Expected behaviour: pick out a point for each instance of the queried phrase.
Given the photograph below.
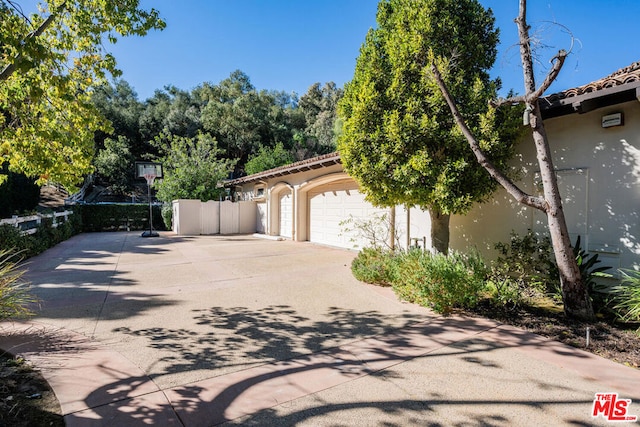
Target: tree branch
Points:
(503, 180)
(11, 67)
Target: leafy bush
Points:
(600, 294)
(46, 236)
(167, 215)
(628, 296)
(373, 265)
(443, 282)
(525, 268)
(114, 217)
(14, 291)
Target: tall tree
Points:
(574, 292)
(49, 62)
(320, 108)
(399, 140)
(119, 104)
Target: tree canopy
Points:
(49, 63)
(399, 140)
(192, 169)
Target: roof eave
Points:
(554, 106)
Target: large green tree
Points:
(320, 108)
(49, 62)
(399, 140)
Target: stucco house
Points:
(594, 132)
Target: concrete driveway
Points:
(209, 330)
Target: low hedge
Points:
(119, 217)
(13, 241)
(433, 280)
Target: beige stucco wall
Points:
(600, 172)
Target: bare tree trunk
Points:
(392, 228)
(574, 292)
(439, 231)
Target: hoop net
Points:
(150, 177)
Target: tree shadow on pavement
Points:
(253, 354)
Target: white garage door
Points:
(286, 215)
(327, 209)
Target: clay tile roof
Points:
(621, 77)
(308, 164)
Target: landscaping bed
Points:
(26, 400)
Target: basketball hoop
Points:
(149, 171)
(150, 177)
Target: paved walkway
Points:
(203, 331)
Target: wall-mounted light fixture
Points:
(610, 120)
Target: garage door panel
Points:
(286, 215)
(329, 208)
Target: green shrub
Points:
(443, 282)
(167, 215)
(628, 296)
(373, 265)
(525, 268)
(46, 236)
(600, 294)
(11, 238)
(114, 217)
(14, 291)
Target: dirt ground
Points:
(26, 400)
(25, 397)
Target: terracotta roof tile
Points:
(623, 76)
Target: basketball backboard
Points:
(148, 168)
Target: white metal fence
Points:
(29, 224)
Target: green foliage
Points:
(46, 236)
(628, 296)
(167, 215)
(17, 194)
(14, 290)
(268, 158)
(374, 265)
(119, 104)
(320, 108)
(443, 282)
(192, 169)
(599, 294)
(115, 164)
(49, 63)
(115, 217)
(399, 139)
(524, 268)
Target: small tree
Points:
(114, 164)
(268, 158)
(574, 292)
(192, 169)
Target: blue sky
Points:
(290, 44)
